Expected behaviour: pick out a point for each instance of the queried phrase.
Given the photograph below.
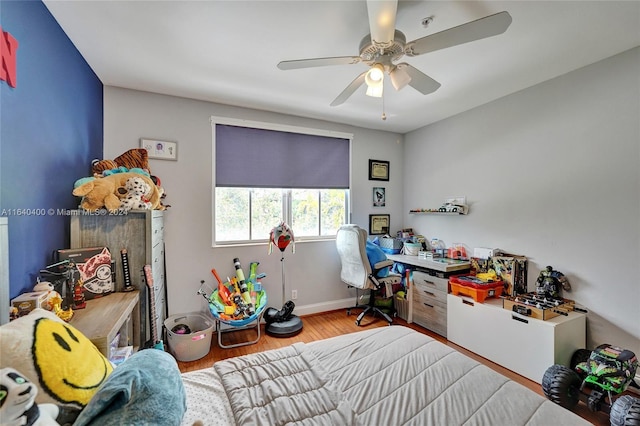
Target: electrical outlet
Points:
(294, 294)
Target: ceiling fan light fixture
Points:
(375, 91)
(382, 21)
(399, 78)
(375, 76)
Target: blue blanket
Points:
(146, 389)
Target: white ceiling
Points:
(226, 51)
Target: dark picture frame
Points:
(379, 224)
(379, 196)
(378, 170)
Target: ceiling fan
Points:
(385, 45)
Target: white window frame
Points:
(214, 120)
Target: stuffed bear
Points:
(17, 402)
(135, 198)
(133, 158)
(108, 191)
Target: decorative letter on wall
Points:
(8, 47)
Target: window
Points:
(264, 174)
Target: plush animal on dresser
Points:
(57, 359)
(17, 402)
(106, 192)
(133, 158)
(137, 189)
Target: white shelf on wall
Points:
(432, 211)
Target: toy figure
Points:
(78, 296)
(550, 282)
(17, 402)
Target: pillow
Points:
(146, 389)
(375, 255)
(65, 365)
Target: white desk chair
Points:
(357, 271)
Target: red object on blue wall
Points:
(8, 48)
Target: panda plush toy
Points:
(17, 402)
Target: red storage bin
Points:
(468, 285)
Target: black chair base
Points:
(370, 308)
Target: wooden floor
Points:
(335, 323)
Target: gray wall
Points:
(551, 172)
(313, 269)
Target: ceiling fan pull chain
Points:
(384, 116)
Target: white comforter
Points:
(386, 376)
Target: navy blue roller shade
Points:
(259, 158)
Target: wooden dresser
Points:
(103, 318)
(141, 233)
(428, 294)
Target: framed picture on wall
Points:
(379, 224)
(160, 150)
(378, 170)
(379, 197)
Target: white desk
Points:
(438, 264)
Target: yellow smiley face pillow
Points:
(67, 368)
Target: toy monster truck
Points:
(598, 378)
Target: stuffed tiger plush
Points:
(133, 158)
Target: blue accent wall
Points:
(51, 127)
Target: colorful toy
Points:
(282, 323)
(181, 329)
(133, 158)
(17, 402)
(108, 191)
(134, 198)
(243, 287)
(281, 236)
(598, 378)
(228, 302)
(55, 357)
(46, 286)
(550, 282)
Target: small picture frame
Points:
(378, 170)
(379, 197)
(379, 224)
(160, 150)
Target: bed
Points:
(384, 376)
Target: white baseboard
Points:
(332, 305)
(314, 308)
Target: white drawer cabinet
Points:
(527, 346)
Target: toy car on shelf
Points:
(453, 208)
(598, 378)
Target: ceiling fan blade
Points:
(318, 62)
(382, 21)
(419, 80)
(475, 30)
(349, 90)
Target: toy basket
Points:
(411, 249)
(191, 346)
(390, 243)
